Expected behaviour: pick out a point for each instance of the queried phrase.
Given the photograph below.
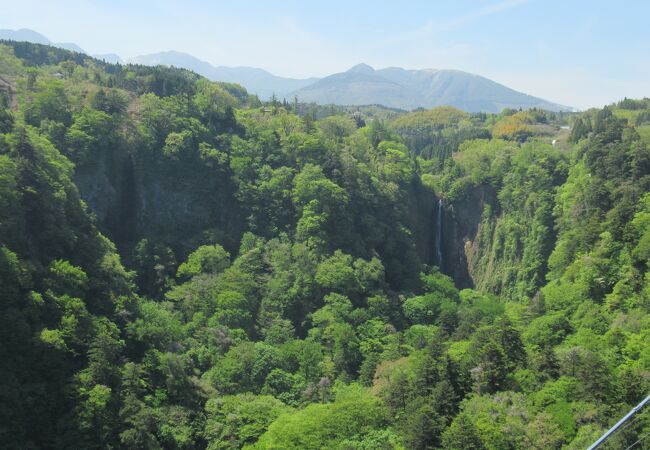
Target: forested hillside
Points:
(183, 266)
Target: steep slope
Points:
(27, 35)
(61, 285)
(255, 80)
(24, 34)
(408, 89)
(282, 264)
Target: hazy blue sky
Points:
(579, 53)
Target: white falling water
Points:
(439, 235)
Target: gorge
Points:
(185, 266)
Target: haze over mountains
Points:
(257, 81)
(25, 34)
(361, 85)
(409, 89)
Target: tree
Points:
(155, 268)
(351, 416)
(205, 259)
(239, 420)
(111, 101)
(491, 373)
(50, 102)
(462, 434)
(423, 426)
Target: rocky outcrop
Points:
(461, 224)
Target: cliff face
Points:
(422, 221)
(132, 199)
(462, 231)
(494, 249)
(461, 224)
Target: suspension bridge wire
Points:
(639, 440)
(619, 424)
(627, 425)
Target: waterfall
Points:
(439, 236)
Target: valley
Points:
(185, 264)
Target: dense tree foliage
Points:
(182, 266)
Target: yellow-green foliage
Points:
(484, 161)
(629, 114)
(514, 127)
(329, 329)
(644, 132)
(9, 63)
(433, 119)
(353, 419)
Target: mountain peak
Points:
(396, 87)
(24, 34)
(361, 68)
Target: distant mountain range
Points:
(361, 85)
(25, 34)
(256, 81)
(28, 35)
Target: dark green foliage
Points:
(53, 308)
(280, 290)
(581, 129)
(462, 434)
(632, 104)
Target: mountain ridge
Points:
(410, 89)
(25, 34)
(257, 81)
(392, 87)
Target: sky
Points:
(577, 53)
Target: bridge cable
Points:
(619, 424)
(639, 440)
(627, 425)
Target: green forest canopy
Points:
(183, 266)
